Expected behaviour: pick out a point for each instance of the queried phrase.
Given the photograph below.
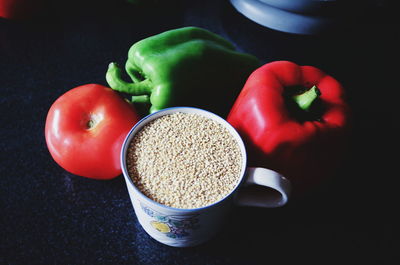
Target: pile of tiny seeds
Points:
(184, 160)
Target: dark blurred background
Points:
(49, 216)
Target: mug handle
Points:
(263, 188)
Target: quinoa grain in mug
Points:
(184, 160)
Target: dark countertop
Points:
(49, 216)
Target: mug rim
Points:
(142, 122)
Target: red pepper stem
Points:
(114, 79)
(305, 100)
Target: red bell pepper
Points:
(19, 9)
(294, 120)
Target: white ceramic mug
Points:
(189, 227)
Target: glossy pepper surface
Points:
(187, 66)
(294, 119)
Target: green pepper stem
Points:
(114, 79)
(141, 99)
(305, 100)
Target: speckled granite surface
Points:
(49, 216)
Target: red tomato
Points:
(85, 129)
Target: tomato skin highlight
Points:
(85, 129)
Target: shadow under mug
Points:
(177, 227)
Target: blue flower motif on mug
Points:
(172, 226)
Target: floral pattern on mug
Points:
(170, 225)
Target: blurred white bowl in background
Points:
(293, 16)
(301, 6)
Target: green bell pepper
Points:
(188, 66)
